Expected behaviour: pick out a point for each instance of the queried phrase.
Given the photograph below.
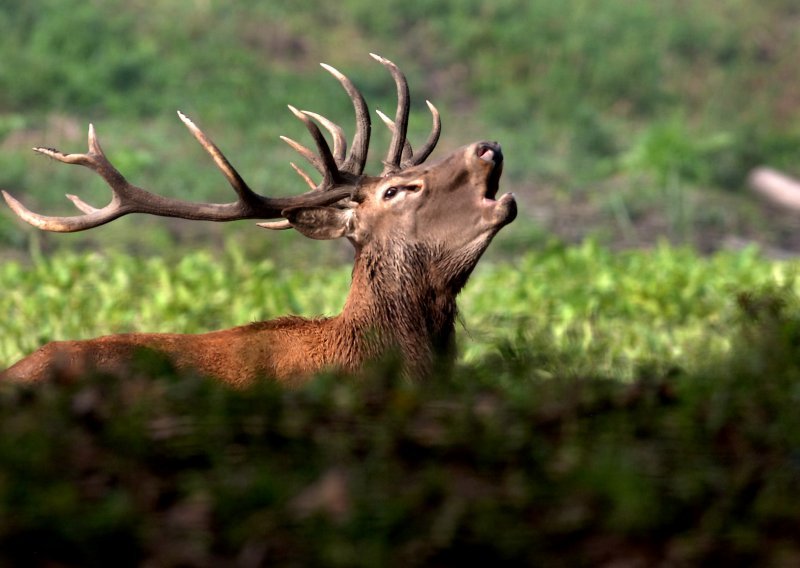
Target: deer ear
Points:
(321, 223)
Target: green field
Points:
(633, 406)
(624, 123)
(611, 312)
(628, 375)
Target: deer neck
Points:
(399, 302)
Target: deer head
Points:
(418, 228)
(448, 206)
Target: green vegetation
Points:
(609, 405)
(534, 450)
(612, 312)
(657, 110)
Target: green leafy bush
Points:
(494, 462)
(628, 307)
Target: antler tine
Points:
(423, 153)
(80, 204)
(339, 141)
(234, 179)
(310, 157)
(325, 162)
(407, 151)
(59, 224)
(303, 175)
(401, 116)
(339, 144)
(281, 225)
(355, 162)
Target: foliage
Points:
(607, 405)
(629, 408)
(572, 89)
(536, 454)
(624, 307)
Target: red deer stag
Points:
(418, 232)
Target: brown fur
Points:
(407, 304)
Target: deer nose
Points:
(489, 152)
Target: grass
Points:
(634, 406)
(612, 102)
(615, 310)
(536, 451)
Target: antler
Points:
(339, 173)
(399, 155)
(399, 148)
(128, 198)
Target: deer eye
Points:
(392, 192)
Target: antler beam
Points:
(128, 198)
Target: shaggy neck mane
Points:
(399, 301)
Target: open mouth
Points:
(499, 212)
(491, 152)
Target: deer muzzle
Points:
(503, 210)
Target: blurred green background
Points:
(629, 122)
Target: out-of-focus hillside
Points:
(630, 122)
